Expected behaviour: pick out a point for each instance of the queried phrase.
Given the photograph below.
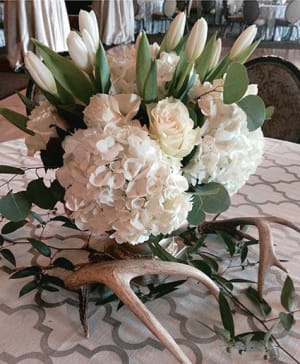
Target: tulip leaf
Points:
(255, 110)
(236, 83)
(287, 296)
(18, 120)
(150, 89)
(15, 206)
(203, 62)
(143, 63)
(219, 70)
(10, 170)
(29, 104)
(66, 73)
(102, 72)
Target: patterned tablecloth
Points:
(45, 329)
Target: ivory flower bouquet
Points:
(142, 146)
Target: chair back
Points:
(279, 86)
(250, 11)
(169, 8)
(292, 13)
(208, 6)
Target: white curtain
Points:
(45, 20)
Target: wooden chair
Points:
(138, 17)
(279, 85)
(292, 15)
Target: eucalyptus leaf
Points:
(28, 287)
(64, 263)
(255, 110)
(37, 217)
(215, 198)
(196, 216)
(40, 247)
(15, 206)
(13, 226)
(66, 73)
(235, 84)
(287, 320)
(8, 255)
(10, 170)
(226, 314)
(287, 297)
(18, 120)
(26, 272)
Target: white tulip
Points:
(79, 52)
(90, 46)
(216, 55)
(175, 31)
(243, 42)
(87, 20)
(40, 73)
(196, 40)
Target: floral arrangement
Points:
(140, 146)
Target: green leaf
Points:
(13, 226)
(28, 287)
(26, 272)
(102, 72)
(49, 288)
(247, 53)
(53, 280)
(29, 104)
(223, 333)
(66, 73)
(287, 320)
(244, 253)
(228, 241)
(161, 253)
(203, 62)
(150, 88)
(10, 170)
(223, 281)
(15, 206)
(287, 296)
(235, 84)
(143, 64)
(8, 255)
(37, 217)
(40, 247)
(1, 240)
(215, 197)
(41, 195)
(226, 315)
(196, 216)
(67, 222)
(64, 263)
(203, 266)
(210, 261)
(262, 304)
(18, 120)
(255, 110)
(269, 112)
(219, 70)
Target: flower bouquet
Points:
(143, 148)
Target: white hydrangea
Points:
(119, 180)
(228, 152)
(42, 122)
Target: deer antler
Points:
(267, 257)
(117, 276)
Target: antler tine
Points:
(117, 276)
(282, 221)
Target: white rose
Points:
(172, 127)
(42, 122)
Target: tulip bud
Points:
(196, 40)
(79, 52)
(216, 55)
(40, 73)
(87, 20)
(90, 46)
(175, 31)
(243, 42)
(137, 41)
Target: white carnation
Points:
(228, 152)
(43, 121)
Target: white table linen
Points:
(115, 20)
(46, 329)
(45, 20)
